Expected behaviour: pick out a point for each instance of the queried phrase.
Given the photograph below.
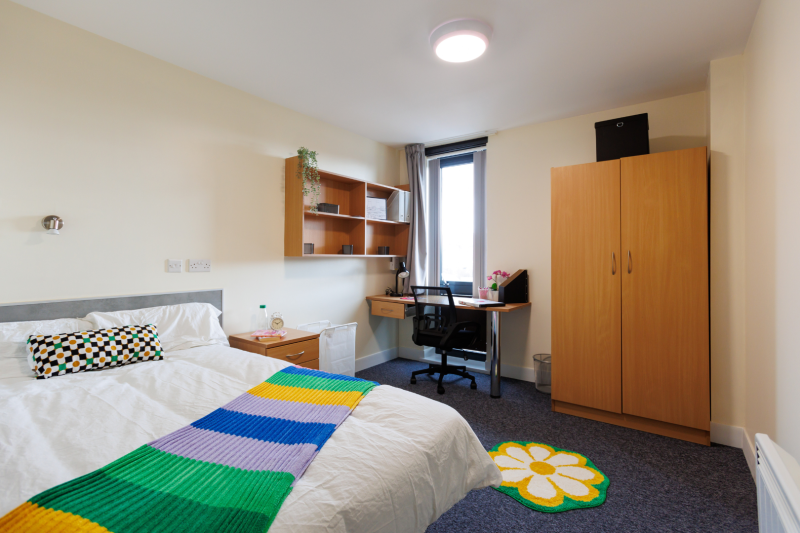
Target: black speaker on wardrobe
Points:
(622, 137)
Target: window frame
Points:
(435, 165)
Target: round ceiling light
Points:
(460, 40)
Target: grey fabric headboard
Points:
(25, 312)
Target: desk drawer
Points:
(297, 353)
(391, 310)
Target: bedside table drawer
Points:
(390, 310)
(297, 352)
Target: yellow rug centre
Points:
(543, 469)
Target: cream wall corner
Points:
(146, 162)
(727, 244)
(772, 217)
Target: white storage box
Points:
(376, 208)
(337, 346)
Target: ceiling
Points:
(366, 65)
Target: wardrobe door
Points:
(585, 285)
(665, 323)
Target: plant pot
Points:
(492, 295)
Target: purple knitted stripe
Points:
(296, 411)
(238, 452)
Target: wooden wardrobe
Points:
(630, 317)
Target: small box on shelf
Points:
(328, 208)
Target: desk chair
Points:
(442, 331)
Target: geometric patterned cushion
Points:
(67, 353)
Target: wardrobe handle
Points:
(613, 264)
(629, 262)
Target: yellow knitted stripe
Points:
(30, 517)
(297, 394)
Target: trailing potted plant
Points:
(308, 172)
(497, 277)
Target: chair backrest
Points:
(448, 315)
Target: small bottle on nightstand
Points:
(262, 322)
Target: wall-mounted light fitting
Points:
(460, 40)
(52, 224)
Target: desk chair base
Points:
(443, 369)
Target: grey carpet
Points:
(657, 483)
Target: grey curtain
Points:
(434, 222)
(479, 238)
(417, 254)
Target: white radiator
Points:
(778, 494)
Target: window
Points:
(458, 225)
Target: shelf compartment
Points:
(329, 234)
(393, 235)
(375, 190)
(350, 196)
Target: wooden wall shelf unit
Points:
(327, 231)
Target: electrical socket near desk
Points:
(199, 265)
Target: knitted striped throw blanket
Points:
(229, 471)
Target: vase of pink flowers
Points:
(496, 278)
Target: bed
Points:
(386, 468)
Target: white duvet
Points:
(396, 464)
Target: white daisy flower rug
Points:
(548, 479)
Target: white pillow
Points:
(14, 335)
(180, 326)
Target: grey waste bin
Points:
(541, 365)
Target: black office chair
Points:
(442, 330)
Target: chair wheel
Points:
(473, 385)
(413, 380)
(440, 390)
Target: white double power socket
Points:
(199, 265)
(175, 266)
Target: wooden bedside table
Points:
(298, 347)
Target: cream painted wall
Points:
(146, 161)
(727, 220)
(772, 218)
(518, 174)
(518, 177)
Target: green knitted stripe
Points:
(208, 483)
(124, 507)
(318, 383)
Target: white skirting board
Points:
(727, 435)
(362, 363)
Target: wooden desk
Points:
(394, 307)
(298, 347)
